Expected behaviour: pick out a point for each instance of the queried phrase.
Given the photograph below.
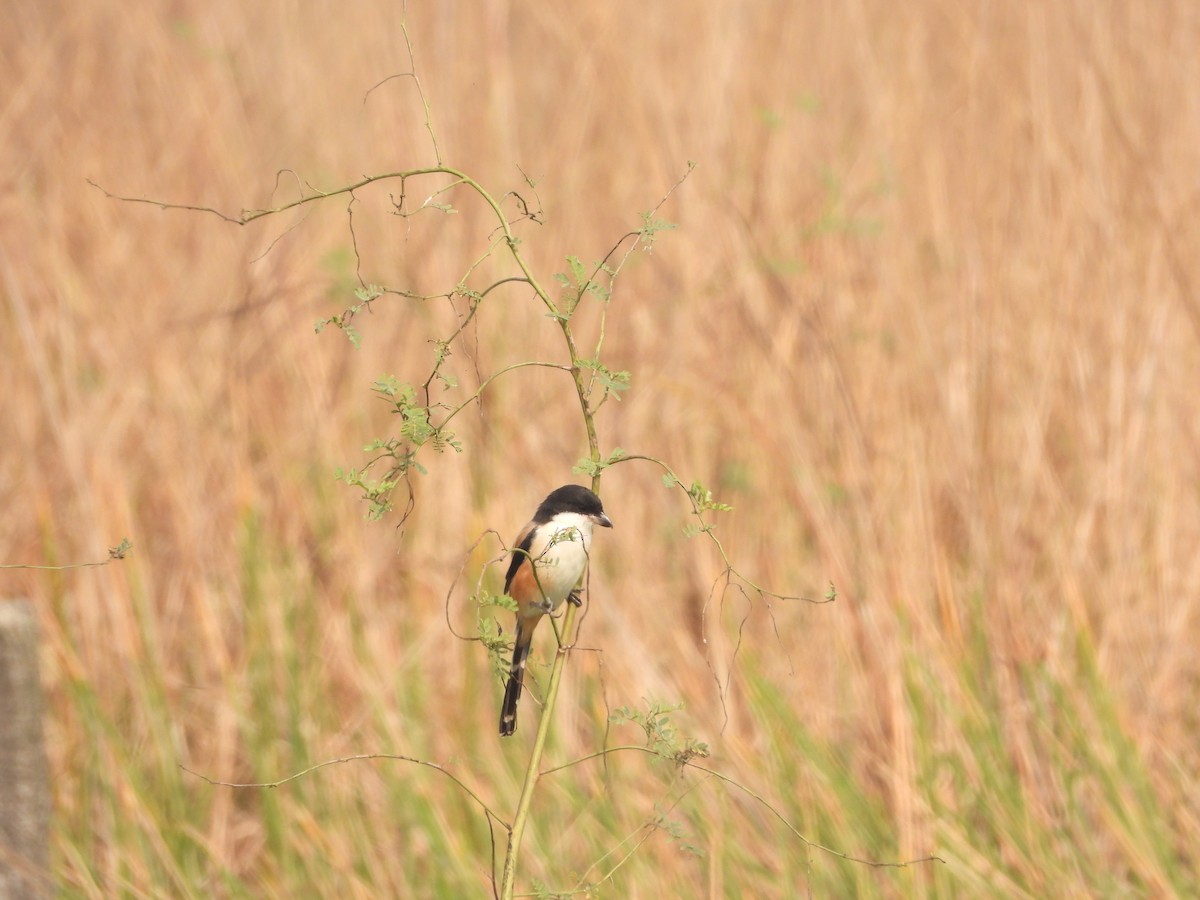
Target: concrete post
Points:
(24, 782)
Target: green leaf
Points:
(592, 467)
(612, 382)
(119, 551)
(587, 466)
(500, 601)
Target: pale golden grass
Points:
(929, 322)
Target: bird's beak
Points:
(604, 521)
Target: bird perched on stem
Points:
(548, 560)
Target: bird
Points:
(548, 559)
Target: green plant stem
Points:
(582, 392)
(532, 773)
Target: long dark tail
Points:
(516, 679)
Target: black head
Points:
(573, 498)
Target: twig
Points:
(347, 759)
(114, 553)
(687, 763)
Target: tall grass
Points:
(929, 324)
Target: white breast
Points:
(561, 557)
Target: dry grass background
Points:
(930, 323)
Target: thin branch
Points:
(114, 553)
(687, 763)
(412, 73)
(246, 216)
(354, 241)
(483, 385)
(813, 844)
(707, 528)
(466, 562)
(621, 265)
(279, 237)
(598, 754)
(348, 759)
(649, 828)
(412, 61)
(474, 303)
(723, 689)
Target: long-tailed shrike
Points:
(548, 560)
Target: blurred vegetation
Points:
(928, 324)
